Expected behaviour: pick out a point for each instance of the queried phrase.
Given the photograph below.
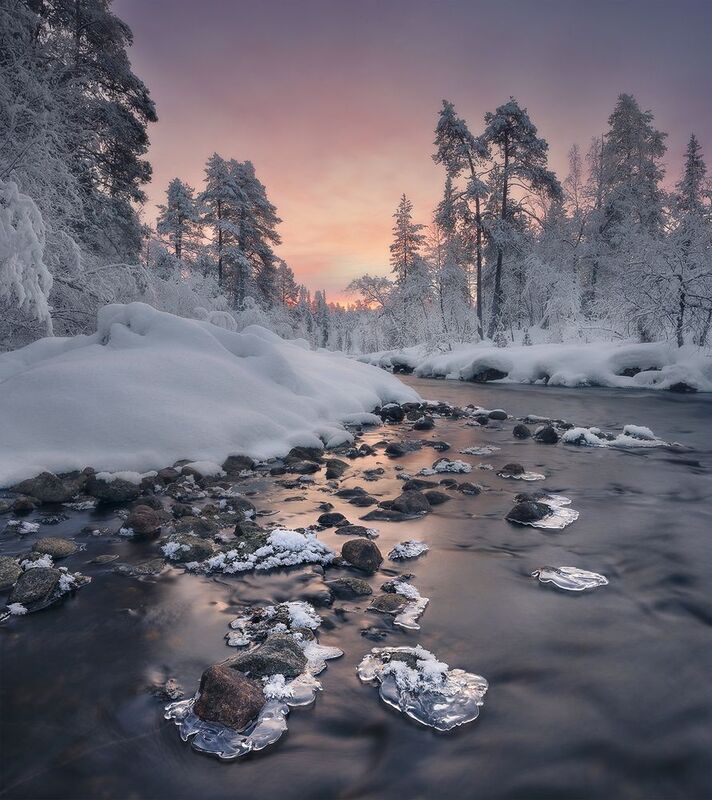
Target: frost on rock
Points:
(22, 528)
(414, 682)
(406, 615)
(16, 609)
(633, 436)
(446, 465)
(486, 450)
(280, 693)
(281, 548)
(572, 579)
(411, 548)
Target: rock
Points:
(388, 603)
(511, 469)
(113, 491)
(488, 374)
(682, 388)
(347, 588)
(105, 558)
(228, 697)
(356, 530)
(23, 504)
(303, 454)
(395, 450)
(497, 414)
(205, 528)
(143, 520)
(10, 571)
(191, 548)
(330, 519)
(234, 465)
(392, 412)
(247, 528)
(55, 546)
(424, 424)
(482, 419)
(277, 469)
(149, 500)
(362, 554)
(153, 566)
(303, 467)
(167, 475)
(363, 501)
(411, 503)
(441, 447)
(278, 654)
(469, 488)
(335, 468)
(355, 491)
(418, 484)
(181, 510)
(528, 511)
(243, 506)
(436, 498)
(317, 593)
(388, 515)
(36, 587)
(50, 488)
(547, 435)
(5, 506)
(521, 431)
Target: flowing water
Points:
(601, 693)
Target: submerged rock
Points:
(362, 554)
(278, 654)
(228, 697)
(348, 588)
(436, 498)
(55, 546)
(388, 603)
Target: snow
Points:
(411, 548)
(17, 609)
(595, 364)
(150, 388)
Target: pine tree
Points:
(407, 240)
(523, 162)
(287, 287)
(178, 218)
(216, 199)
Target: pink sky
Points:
(335, 102)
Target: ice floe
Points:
(411, 548)
(572, 579)
(446, 465)
(414, 682)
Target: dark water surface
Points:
(601, 695)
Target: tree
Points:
(523, 163)
(407, 240)
(178, 218)
(287, 287)
(458, 150)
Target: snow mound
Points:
(149, 388)
(657, 365)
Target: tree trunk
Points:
(497, 296)
(680, 326)
(478, 222)
(220, 245)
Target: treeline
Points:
(512, 252)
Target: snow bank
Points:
(149, 388)
(628, 366)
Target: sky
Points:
(335, 101)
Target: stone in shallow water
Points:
(349, 587)
(558, 517)
(411, 548)
(547, 435)
(414, 682)
(278, 654)
(411, 502)
(228, 697)
(362, 554)
(520, 431)
(572, 579)
(55, 546)
(36, 587)
(10, 571)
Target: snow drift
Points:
(628, 366)
(149, 388)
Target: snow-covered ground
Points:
(629, 366)
(149, 388)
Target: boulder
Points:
(191, 547)
(278, 654)
(510, 470)
(330, 519)
(547, 435)
(418, 484)
(362, 554)
(424, 424)
(10, 571)
(497, 414)
(36, 587)
(388, 603)
(392, 412)
(521, 431)
(528, 511)
(234, 465)
(363, 501)
(303, 467)
(395, 450)
(469, 488)
(436, 498)
(143, 520)
(50, 488)
(356, 530)
(303, 454)
(348, 588)
(55, 546)
(228, 697)
(24, 504)
(167, 475)
(411, 503)
(335, 468)
(113, 491)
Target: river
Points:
(598, 694)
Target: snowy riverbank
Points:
(149, 388)
(626, 366)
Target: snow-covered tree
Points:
(287, 286)
(407, 240)
(178, 219)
